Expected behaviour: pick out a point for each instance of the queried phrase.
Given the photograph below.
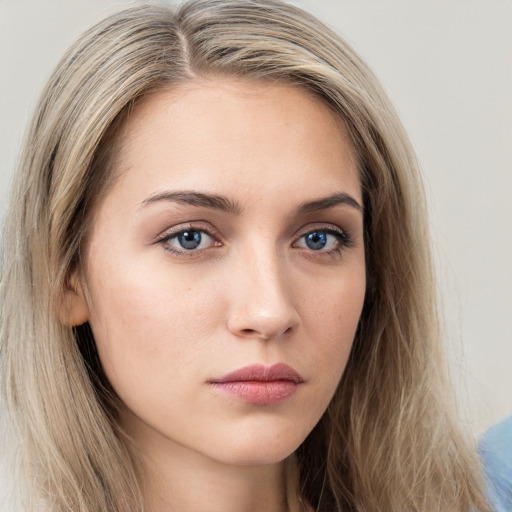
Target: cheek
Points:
(331, 317)
(335, 305)
(146, 321)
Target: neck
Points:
(177, 479)
(204, 487)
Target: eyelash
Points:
(342, 237)
(168, 236)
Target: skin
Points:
(167, 320)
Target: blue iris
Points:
(316, 240)
(189, 239)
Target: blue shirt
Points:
(495, 449)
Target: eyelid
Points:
(344, 240)
(200, 226)
(326, 227)
(196, 225)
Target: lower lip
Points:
(258, 392)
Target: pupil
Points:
(190, 239)
(316, 240)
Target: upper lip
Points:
(262, 373)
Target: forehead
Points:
(244, 135)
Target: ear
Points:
(72, 307)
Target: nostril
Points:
(253, 333)
(265, 336)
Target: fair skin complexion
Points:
(232, 236)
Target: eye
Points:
(317, 240)
(188, 240)
(323, 240)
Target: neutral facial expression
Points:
(225, 269)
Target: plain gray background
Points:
(447, 65)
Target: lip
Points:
(259, 384)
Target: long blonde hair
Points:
(389, 440)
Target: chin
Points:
(256, 458)
(261, 448)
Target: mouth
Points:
(259, 384)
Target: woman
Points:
(216, 279)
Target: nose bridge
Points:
(262, 303)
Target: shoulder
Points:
(495, 450)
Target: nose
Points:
(262, 304)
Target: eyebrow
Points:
(329, 202)
(196, 199)
(224, 204)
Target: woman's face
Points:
(225, 269)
